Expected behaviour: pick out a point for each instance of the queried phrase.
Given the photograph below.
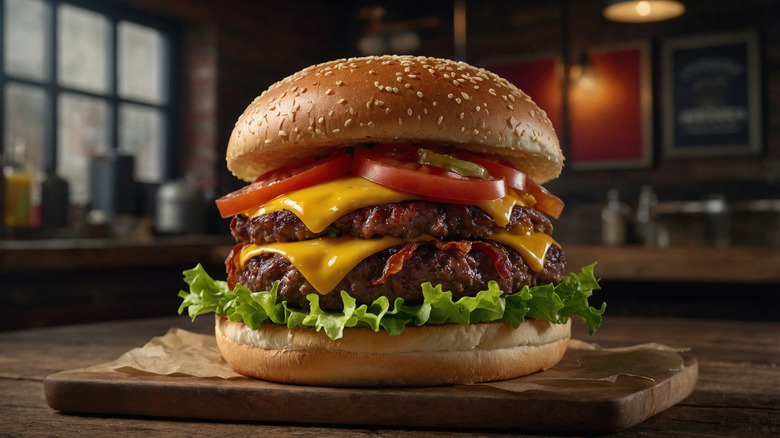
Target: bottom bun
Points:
(420, 356)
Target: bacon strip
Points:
(231, 265)
(395, 263)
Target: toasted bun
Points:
(393, 99)
(420, 356)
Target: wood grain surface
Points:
(737, 393)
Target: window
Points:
(83, 80)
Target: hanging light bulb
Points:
(633, 11)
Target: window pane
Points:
(82, 135)
(141, 132)
(25, 38)
(140, 63)
(23, 121)
(83, 49)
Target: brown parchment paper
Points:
(183, 353)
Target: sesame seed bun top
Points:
(393, 99)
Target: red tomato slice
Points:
(546, 202)
(393, 168)
(283, 180)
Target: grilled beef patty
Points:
(407, 219)
(462, 273)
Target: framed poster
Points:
(539, 76)
(611, 108)
(712, 96)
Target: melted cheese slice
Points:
(320, 205)
(323, 261)
(326, 260)
(531, 246)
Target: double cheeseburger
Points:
(394, 231)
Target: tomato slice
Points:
(283, 180)
(396, 166)
(546, 202)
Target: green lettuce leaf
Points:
(556, 303)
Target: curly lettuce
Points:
(556, 303)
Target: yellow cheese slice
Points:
(318, 206)
(323, 261)
(326, 260)
(531, 246)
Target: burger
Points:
(393, 232)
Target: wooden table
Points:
(738, 392)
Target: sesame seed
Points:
(376, 84)
(371, 124)
(321, 120)
(435, 103)
(409, 111)
(379, 102)
(465, 96)
(419, 94)
(388, 89)
(395, 90)
(336, 131)
(492, 91)
(387, 110)
(339, 83)
(462, 115)
(413, 76)
(510, 107)
(400, 122)
(318, 131)
(440, 119)
(450, 96)
(512, 97)
(478, 108)
(399, 78)
(328, 91)
(407, 85)
(342, 100)
(267, 141)
(371, 72)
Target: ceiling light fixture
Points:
(633, 11)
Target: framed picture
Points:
(540, 76)
(611, 108)
(711, 88)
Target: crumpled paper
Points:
(177, 353)
(589, 362)
(183, 353)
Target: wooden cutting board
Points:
(562, 399)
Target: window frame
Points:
(114, 13)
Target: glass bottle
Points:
(18, 189)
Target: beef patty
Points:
(407, 219)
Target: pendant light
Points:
(633, 11)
